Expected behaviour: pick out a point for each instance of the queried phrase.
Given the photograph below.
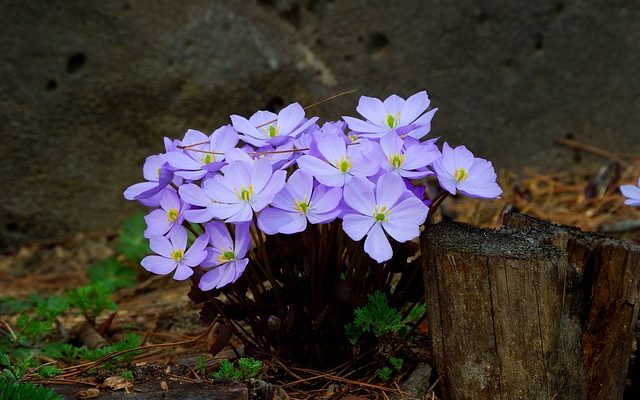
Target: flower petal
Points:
(358, 194)
(158, 265)
(182, 272)
(372, 109)
(289, 118)
(413, 107)
(218, 234)
(243, 239)
(389, 189)
(193, 194)
(161, 245)
(357, 225)
(377, 245)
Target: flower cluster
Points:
(278, 173)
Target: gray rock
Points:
(90, 88)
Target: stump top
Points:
(465, 238)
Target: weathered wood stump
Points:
(532, 311)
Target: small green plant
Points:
(132, 244)
(92, 299)
(396, 363)
(247, 368)
(227, 370)
(384, 373)
(12, 389)
(48, 371)
(201, 365)
(112, 274)
(377, 316)
(126, 374)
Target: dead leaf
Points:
(88, 394)
(164, 386)
(117, 383)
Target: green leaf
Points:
(249, 367)
(227, 370)
(132, 244)
(384, 373)
(92, 299)
(48, 371)
(112, 274)
(396, 363)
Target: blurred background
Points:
(89, 89)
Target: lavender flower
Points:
(338, 164)
(168, 218)
(632, 193)
(459, 169)
(394, 114)
(410, 162)
(392, 209)
(299, 202)
(158, 176)
(195, 162)
(266, 128)
(172, 255)
(226, 257)
(234, 196)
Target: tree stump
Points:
(531, 311)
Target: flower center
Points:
(381, 214)
(245, 193)
(392, 121)
(273, 131)
(460, 174)
(177, 254)
(226, 255)
(173, 214)
(344, 164)
(302, 205)
(353, 138)
(208, 158)
(397, 160)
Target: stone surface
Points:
(90, 88)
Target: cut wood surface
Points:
(532, 311)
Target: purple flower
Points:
(339, 164)
(158, 176)
(394, 114)
(266, 128)
(227, 258)
(632, 193)
(168, 217)
(196, 161)
(298, 202)
(391, 209)
(172, 255)
(459, 169)
(410, 162)
(234, 196)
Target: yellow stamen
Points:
(392, 120)
(397, 160)
(177, 254)
(173, 214)
(302, 205)
(245, 194)
(344, 164)
(208, 158)
(381, 214)
(226, 255)
(460, 174)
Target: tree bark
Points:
(532, 311)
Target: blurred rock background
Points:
(88, 89)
